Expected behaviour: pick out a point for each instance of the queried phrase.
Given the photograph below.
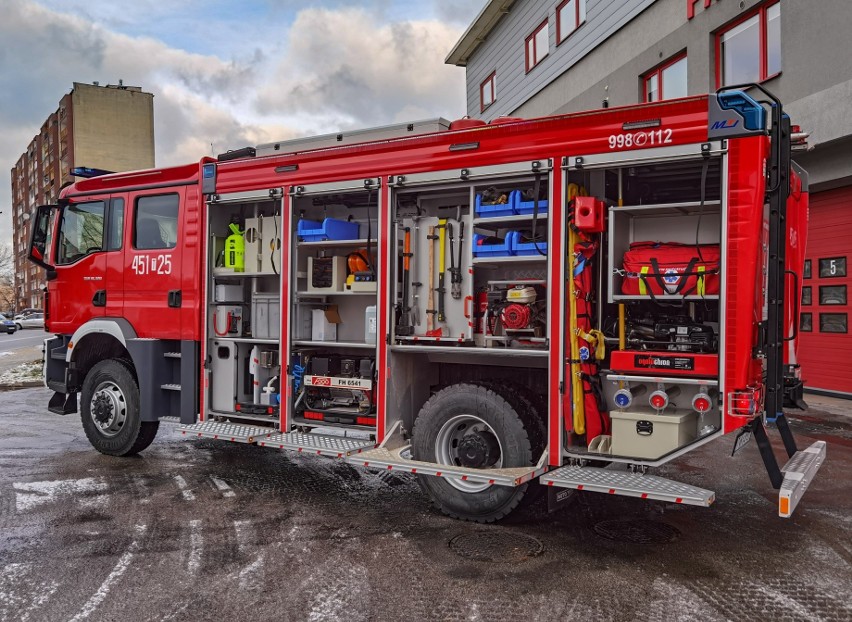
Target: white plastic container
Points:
(321, 328)
(266, 316)
(228, 293)
(370, 324)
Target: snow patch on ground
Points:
(32, 494)
(26, 372)
(21, 594)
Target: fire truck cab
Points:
(574, 299)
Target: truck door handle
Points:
(99, 299)
(175, 298)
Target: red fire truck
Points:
(574, 299)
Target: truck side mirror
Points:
(40, 237)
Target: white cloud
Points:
(328, 69)
(342, 65)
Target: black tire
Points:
(531, 408)
(113, 385)
(486, 404)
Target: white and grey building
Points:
(532, 58)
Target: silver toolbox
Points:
(642, 433)
(266, 316)
(223, 375)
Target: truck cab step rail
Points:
(642, 486)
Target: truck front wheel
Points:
(472, 426)
(110, 411)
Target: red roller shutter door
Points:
(825, 351)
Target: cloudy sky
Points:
(231, 73)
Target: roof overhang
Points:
(488, 18)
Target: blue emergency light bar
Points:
(752, 113)
(88, 173)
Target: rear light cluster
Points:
(744, 403)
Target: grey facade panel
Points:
(503, 50)
(621, 41)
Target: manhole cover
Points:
(496, 546)
(636, 531)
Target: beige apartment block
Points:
(105, 127)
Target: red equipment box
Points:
(589, 214)
(670, 268)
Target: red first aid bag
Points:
(669, 268)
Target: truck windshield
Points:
(81, 231)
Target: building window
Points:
(666, 81)
(537, 46)
(806, 296)
(806, 323)
(833, 323)
(488, 91)
(832, 267)
(570, 14)
(750, 49)
(155, 225)
(806, 272)
(832, 294)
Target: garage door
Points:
(825, 347)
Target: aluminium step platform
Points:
(234, 432)
(319, 444)
(391, 458)
(628, 484)
(798, 473)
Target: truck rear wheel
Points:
(110, 411)
(473, 426)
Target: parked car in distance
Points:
(7, 324)
(33, 320)
(30, 311)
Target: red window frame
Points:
(560, 36)
(532, 62)
(490, 84)
(658, 71)
(762, 43)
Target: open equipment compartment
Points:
(660, 288)
(334, 302)
(492, 292)
(243, 307)
(469, 346)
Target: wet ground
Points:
(203, 530)
(23, 346)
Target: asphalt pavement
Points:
(209, 530)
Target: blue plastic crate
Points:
(328, 229)
(525, 248)
(503, 249)
(492, 211)
(526, 207)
